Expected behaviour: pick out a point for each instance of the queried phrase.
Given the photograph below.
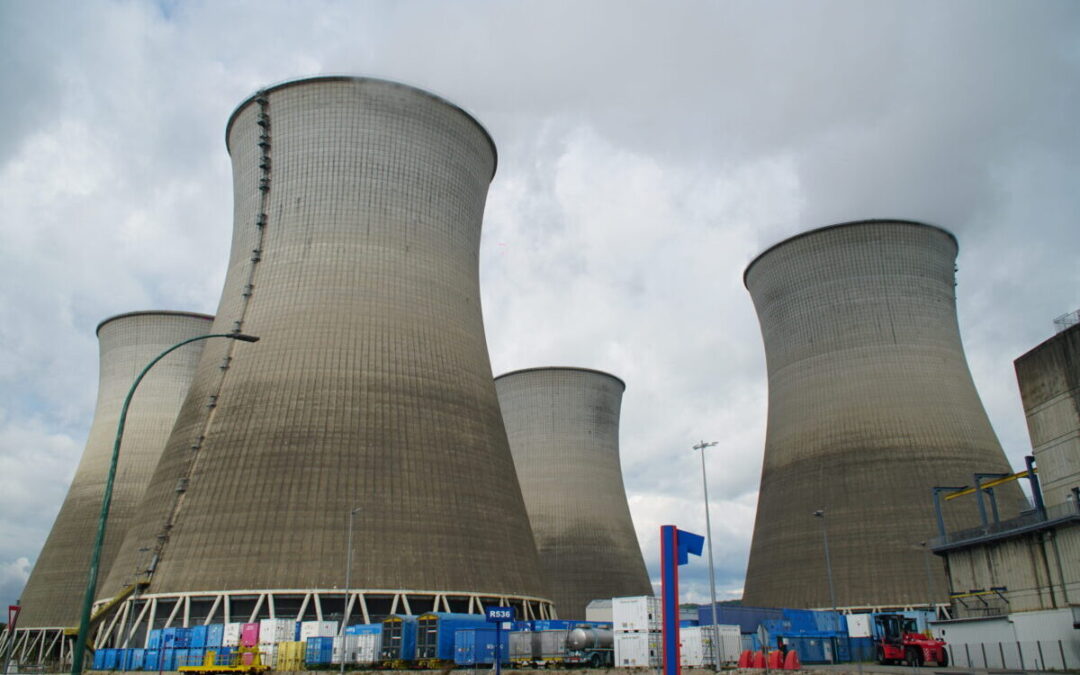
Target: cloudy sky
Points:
(648, 151)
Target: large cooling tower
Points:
(563, 425)
(871, 405)
(358, 207)
(54, 593)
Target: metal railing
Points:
(1030, 520)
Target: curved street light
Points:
(79, 649)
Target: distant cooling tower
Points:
(358, 207)
(54, 593)
(871, 405)
(563, 425)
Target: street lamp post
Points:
(348, 584)
(820, 513)
(708, 534)
(79, 649)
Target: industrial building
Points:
(563, 426)
(54, 593)
(1015, 584)
(368, 408)
(871, 405)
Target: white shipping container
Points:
(231, 635)
(310, 629)
(273, 631)
(858, 625)
(696, 646)
(269, 653)
(730, 643)
(350, 648)
(638, 613)
(368, 646)
(637, 650)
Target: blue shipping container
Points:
(99, 659)
(476, 646)
(197, 636)
(137, 659)
(152, 661)
(687, 623)
(174, 638)
(111, 659)
(195, 657)
(155, 639)
(319, 650)
(224, 656)
(214, 634)
(363, 629)
(746, 618)
(398, 638)
(123, 659)
(435, 633)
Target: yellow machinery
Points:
(243, 660)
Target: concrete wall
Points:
(358, 208)
(1040, 570)
(563, 426)
(53, 594)
(871, 404)
(1033, 641)
(1049, 379)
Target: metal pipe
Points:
(708, 534)
(348, 585)
(820, 513)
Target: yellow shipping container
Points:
(290, 656)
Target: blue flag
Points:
(689, 544)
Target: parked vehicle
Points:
(898, 640)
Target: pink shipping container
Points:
(249, 635)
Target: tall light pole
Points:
(79, 649)
(820, 513)
(708, 535)
(348, 584)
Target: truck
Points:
(590, 646)
(897, 639)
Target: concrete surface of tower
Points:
(563, 425)
(358, 208)
(1049, 379)
(128, 342)
(871, 405)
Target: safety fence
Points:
(1033, 655)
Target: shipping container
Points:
(696, 647)
(320, 650)
(858, 625)
(215, 632)
(273, 631)
(398, 639)
(99, 659)
(746, 618)
(152, 659)
(310, 629)
(230, 636)
(476, 646)
(197, 637)
(196, 656)
(154, 640)
(368, 647)
(521, 647)
(175, 638)
(599, 610)
(136, 659)
(637, 650)
(291, 655)
(269, 654)
(249, 634)
(345, 648)
(551, 646)
(435, 635)
(636, 614)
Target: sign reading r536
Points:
(497, 614)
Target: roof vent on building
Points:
(1066, 321)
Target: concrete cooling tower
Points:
(871, 405)
(563, 425)
(358, 207)
(53, 594)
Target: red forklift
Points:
(898, 640)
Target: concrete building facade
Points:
(871, 405)
(563, 426)
(1049, 379)
(358, 208)
(127, 343)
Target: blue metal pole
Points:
(79, 649)
(669, 565)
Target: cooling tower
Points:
(358, 207)
(54, 593)
(871, 405)
(1049, 379)
(563, 425)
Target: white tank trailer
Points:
(563, 426)
(53, 595)
(871, 405)
(367, 411)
